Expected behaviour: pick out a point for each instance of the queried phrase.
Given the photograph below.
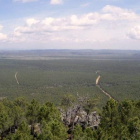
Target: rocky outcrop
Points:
(77, 115)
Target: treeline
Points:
(20, 120)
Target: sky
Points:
(69, 24)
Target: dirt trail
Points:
(104, 92)
(16, 77)
(97, 81)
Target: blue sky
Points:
(69, 24)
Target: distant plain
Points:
(47, 75)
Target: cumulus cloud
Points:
(56, 2)
(134, 33)
(111, 23)
(119, 13)
(2, 36)
(24, 1)
(31, 21)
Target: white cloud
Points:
(24, 1)
(87, 19)
(134, 33)
(112, 9)
(102, 27)
(56, 2)
(2, 36)
(31, 21)
(48, 21)
(119, 13)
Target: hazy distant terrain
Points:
(70, 54)
(49, 74)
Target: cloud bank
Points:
(110, 24)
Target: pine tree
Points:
(23, 133)
(33, 114)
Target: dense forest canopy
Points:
(47, 75)
(21, 120)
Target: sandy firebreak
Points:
(16, 77)
(97, 84)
